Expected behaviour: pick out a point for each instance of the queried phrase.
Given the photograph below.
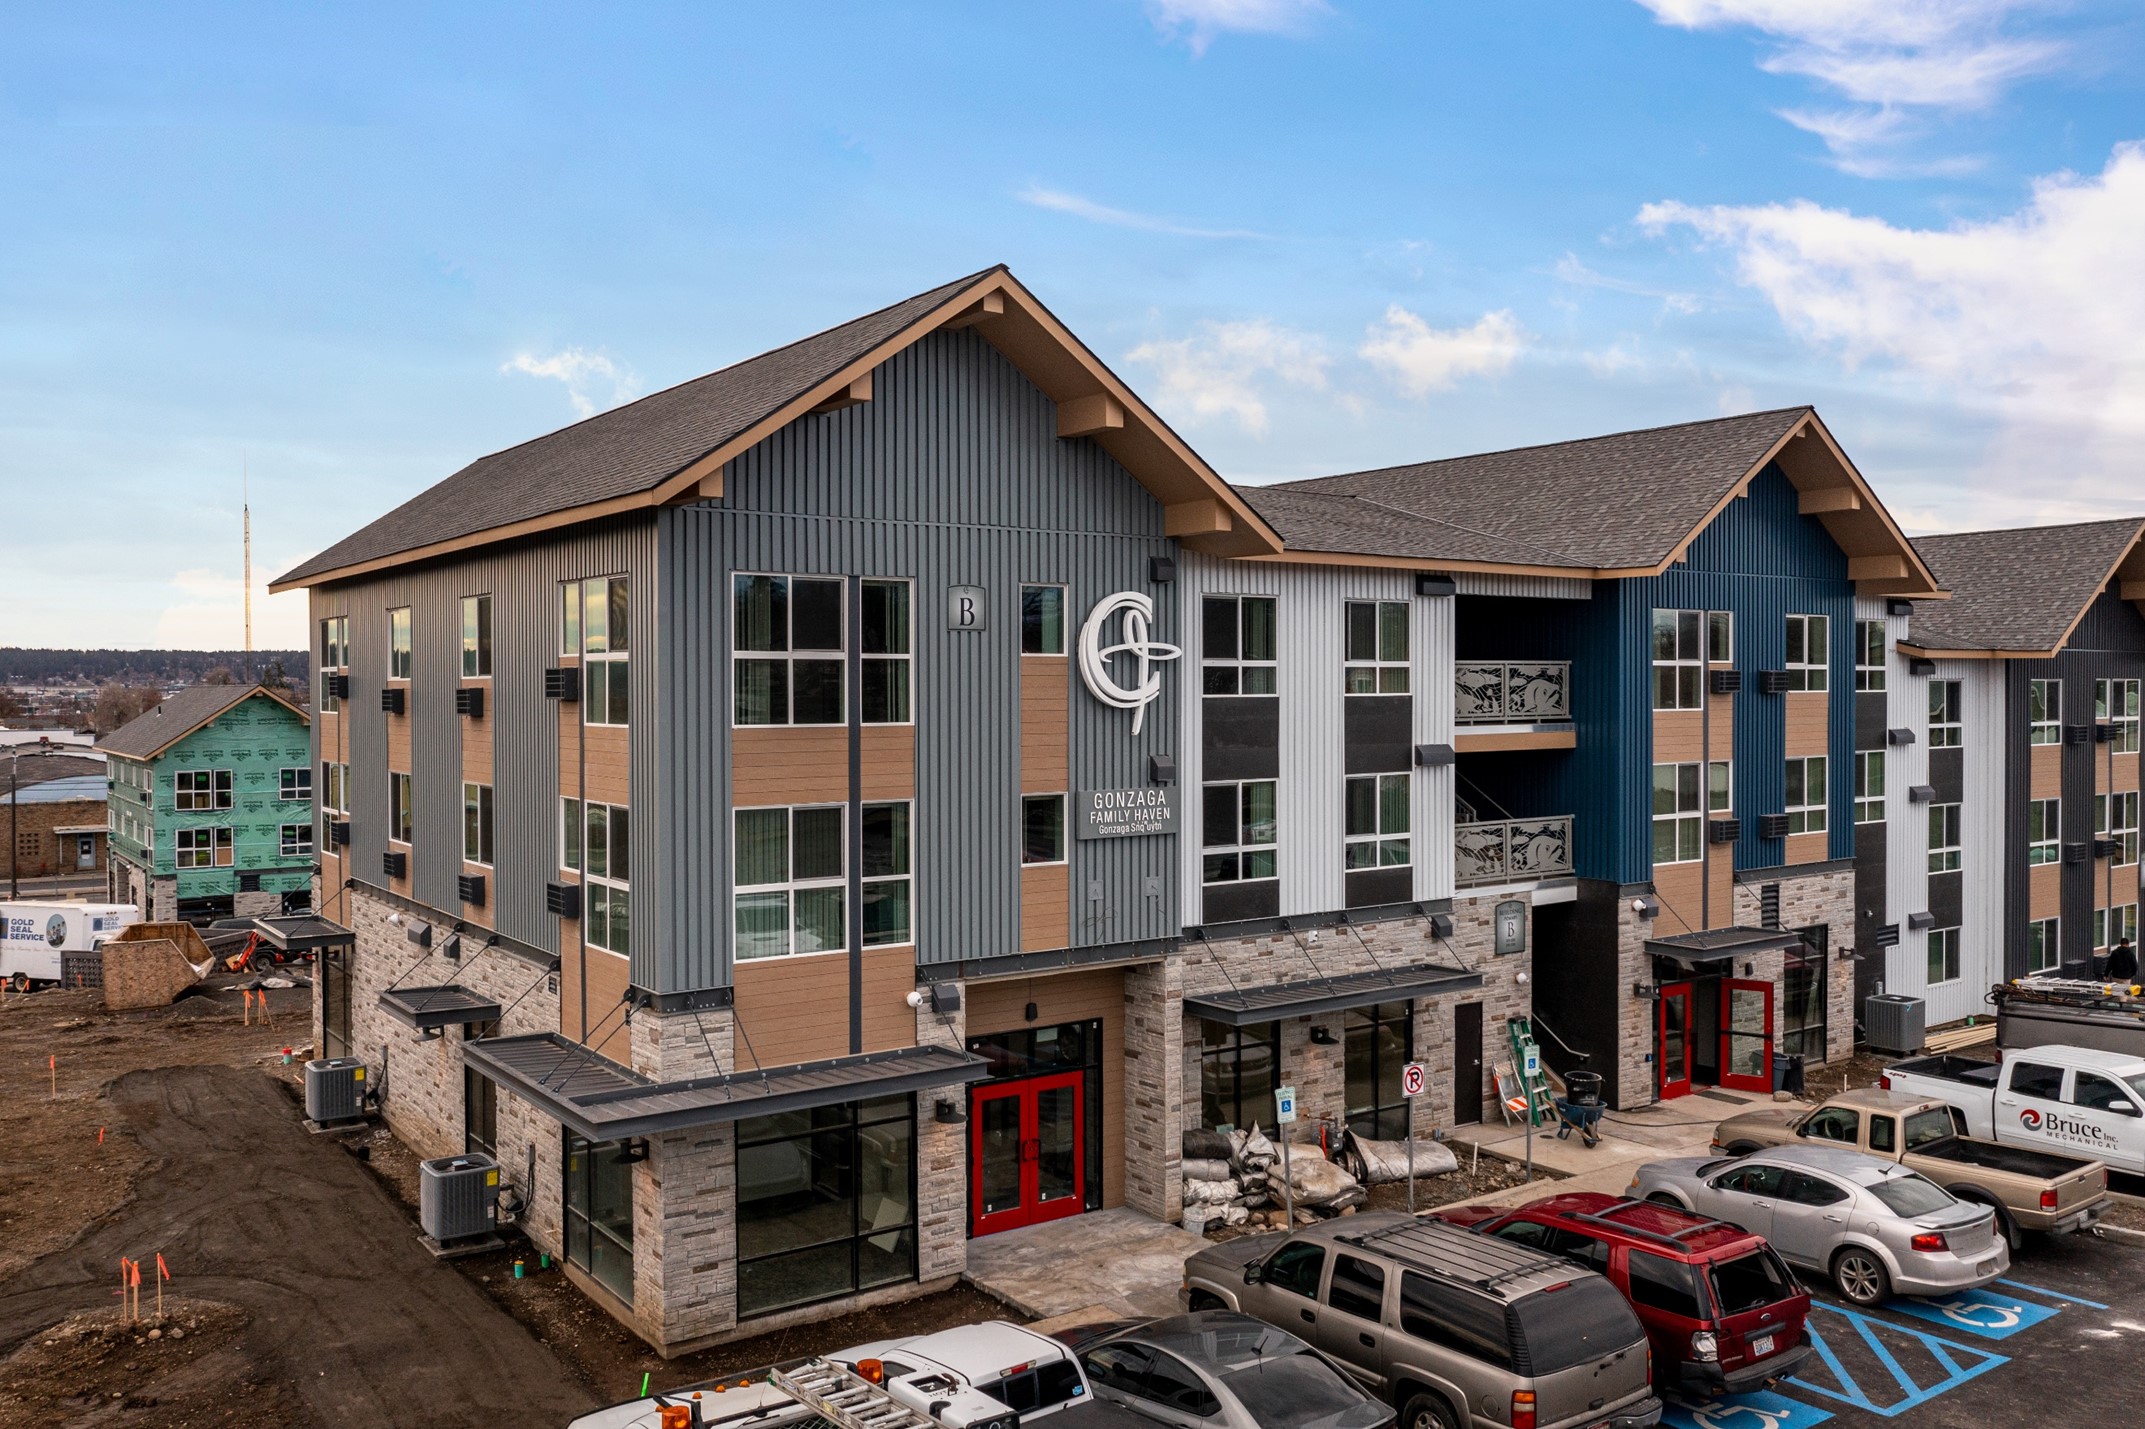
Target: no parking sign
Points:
(1414, 1079)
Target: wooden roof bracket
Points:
(1091, 416)
(989, 306)
(858, 391)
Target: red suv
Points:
(1723, 1312)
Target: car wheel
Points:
(1204, 1300)
(20, 982)
(1662, 1198)
(1860, 1276)
(1427, 1411)
(1741, 1148)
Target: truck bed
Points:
(1993, 1156)
(1952, 1069)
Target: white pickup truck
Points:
(2078, 1100)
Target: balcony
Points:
(1512, 850)
(1512, 704)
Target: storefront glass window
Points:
(1380, 1041)
(1802, 996)
(826, 1203)
(1239, 1068)
(599, 1213)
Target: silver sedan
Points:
(1874, 1227)
(1216, 1369)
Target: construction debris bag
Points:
(1316, 1181)
(1374, 1162)
(1210, 1193)
(1201, 1170)
(1207, 1146)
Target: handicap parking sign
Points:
(1285, 1105)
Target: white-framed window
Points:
(1679, 659)
(295, 785)
(477, 823)
(790, 881)
(595, 840)
(296, 840)
(788, 663)
(196, 790)
(2115, 816)
(1720, 637)
(884, 881)
(2044, 831)
(1720, 788)
(1679, 830)
(593, 624)
(2116, 702)
(204, 848)
(1944, 851)
(883, 667)
(1375, 647)
(476, 637)
(401, 814)
(1947, 727)
(2044, 945)
(334, 657)
(1239, 832)
(1376, 822)
(399, 658)
(1237, 651)
(1809, 650)
(2044, 711)
(334, 787)
(1042, 620)
(1869, 786)
(1943, 955)
(1042, 827)
(1869, 655)
(1806, 798)
(2112, 925)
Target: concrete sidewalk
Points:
(1629, 1139)
(1116, 1260)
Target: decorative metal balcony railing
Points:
(1512, 850)
(1512, 691)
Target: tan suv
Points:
(1457, 1330)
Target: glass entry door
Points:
(1672, 1040)
(1746, 1035)
(1027, 1151)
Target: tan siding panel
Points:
(1045, 715)
(1678, 736)
(777, 765)
(2044, 896)
(2126, 771)
(398, 738)
(477, 738)
(2047, 771)
(794, 1009)
(1808, 723)
(1720, 885)
(1679, 888)
(609, 976)
(888, 761)
(889, 978)
(610, 765)
(1045, 907)
(1000, 1006)
(1807, 848)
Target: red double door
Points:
(1027, 1154)
(1742, 1031)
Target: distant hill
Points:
(137, 667)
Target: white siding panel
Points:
(1906, 862)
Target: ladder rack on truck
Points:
(817, 1393)
(2067, 1011)
(845, 1398)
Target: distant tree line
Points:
(20, 666)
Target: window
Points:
(2044, 831)
(599, 1212)
(476, 636)
(1720, 637)
(334, 657)
(204, 848)
(1884, 1133)
(1720, 788)
(1296, 1267)
(1803, 1189)
(1042, 620)
(1659, 1283)
(2036, 1079)
(1946, 729)
(595, 840)
(1869, 786)
(1376, 649)
(294, 785)
(1376, 827)
(885, 876)
(2112, 925)
(1943, 955)
(477, 823)
(480, 1106)
(594, 626)
(826, 1203)
(2044, 947)
(1357, 1288)
(1834, 1123)
(1239, 1067)
(194, 790)
(2096, 1093)
(1042, 828)
(400, 815)
(1237, 647)
(1808, 652)
(398, 643)
(1240, 830)
(2044, 711)
(2116, 702)
(789, 650)
(883, 670)
(790, 882)
(1869, 654)
(334, 787)
(1377, 1043)
(1679, 834)
(296, 840)
(1679, 671)
(1457, 1319)
(1803, 1013)
(2115, 817)
(1806, 795)
(1943, 838)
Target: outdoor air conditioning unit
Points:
(2103, 733)
(394, 700)
(2106, 848)
(562, 684)
(334, 1089)
(1894, 1023)
(338, 833)
(563, 899)
(1772, 682)
(1724, 831)
(471, 887)
(2075, 852)
(395, 865)
(470, 702)
(2077, 733)
(1725, 682)
(456, 1196)
(1898, 737)
(336, 684)
(1772, 826)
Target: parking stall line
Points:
(2053, 1294)
(1960, 1362)
(1762, 1409)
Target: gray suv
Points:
(1457, 1330)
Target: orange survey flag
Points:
(134, 1271)
(162, 1269)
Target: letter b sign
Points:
(964, 607)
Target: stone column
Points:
(1154, 1089)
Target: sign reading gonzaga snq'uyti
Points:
(1121, 813)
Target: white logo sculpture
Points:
(1095, 656)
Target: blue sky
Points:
(348, 249)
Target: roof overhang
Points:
(1239, 1007)
(427, 1009)
(303, 933)
(1719, 945)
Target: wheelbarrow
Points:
(1582, 1117)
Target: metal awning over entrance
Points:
(428, 1008)
(597, 1098)
(303, 933)
(1240, 1007)
(1719, 945)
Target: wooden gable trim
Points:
(2128, 589)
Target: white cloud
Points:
(1059, 201)
(1222, 370)
(1423, 359)
(583, 372)
(1199, 21)
(1571, 269)
(205, 609)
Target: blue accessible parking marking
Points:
(1978, 1312)
(1957, 1362)
(1761, 1410)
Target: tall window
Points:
(1943, 838)
(885, 887)
(2044, 948)
(1802, 995)
(194, 790)
(1869, 654)
(1376, 647)
(204, 848)
(1869, 786)
(2116, 702)
(1239, 1067)
(2115, 817)
(1042, 828)
(884, 667)
(826, 1203)
(2044, 831)
(789, 650)
(480, 1105)
(1042, 620)
(1720, 636)
(1809, 652)
(594, 625)
(1376, 825)
(1237, 650)
(334, 787)
(294, 785)
(1679, 834)
(1947, 729)
(1679, 659)
(398, 643)
(2112, 925)
(790, 883)
(477, 823)
(1377, 1043)
(1943, 955)
(334, 657)
(400, 815)
(2044, 711)
(476, 636)
(596, 841)
(1720, 788)
(1806, 795)
(1240, 832)
(599, 1212)
(295, 840)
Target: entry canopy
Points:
(596, 1097)
(303, 933)
(1239, 1007)
(426, 1008)
(1719, 945)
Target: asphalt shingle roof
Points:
(180, 715)
(626, 451)
(2021, 589)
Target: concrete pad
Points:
(1117, 1260)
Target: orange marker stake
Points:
(100, 1136)
(163, 1273)
(52, 1065)
(134, 1275)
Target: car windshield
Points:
(1930, 1124)
(2136, 1083)
(1911, 1195)
(1750, 1282)
(1569, 1324)
(1291, 1391)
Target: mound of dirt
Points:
(185, 1370)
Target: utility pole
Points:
(246, 523)
(14, 816)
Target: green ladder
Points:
(1541, 1101)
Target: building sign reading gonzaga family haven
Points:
(1118, 813)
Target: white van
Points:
(35, 937)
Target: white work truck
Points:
(36, 937)
(2081, 1101)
